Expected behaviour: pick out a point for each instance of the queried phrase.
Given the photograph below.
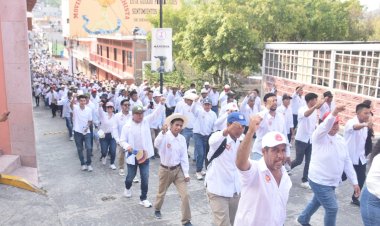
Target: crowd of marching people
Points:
(242, 150)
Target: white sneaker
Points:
(112, 166)
(121, 172)
(306, 185)
(203, 173)
(136, 180)
(127, 193)
(84, 167)
(89, 168)
(199, 175)
(104, 160)
(71, 138)
(146, 203)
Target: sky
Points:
(371, 4)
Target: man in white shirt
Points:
(297, 102)
(328, 106)
(329, 159)
(37, 94)
(355, 134)
(222, 178)
(121, 118)
(173, 98)
(247, 107)
(134, 99)
(286, 111)
(184, 108)
(265, 185)
(156, 125)
(203, 127)
(214, 96)
(271, 121)
(174, 167)
(132, 142)
(223, 94)
(307, 122)
(82, 119)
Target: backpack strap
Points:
(218, 152)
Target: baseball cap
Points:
(204, 91)
(206, 100)
(272, 139)
(207, 84)
(109, 104)
(337, 119)
(94, 90)
(137, 109)
(286, 96)
(227, 86)
(236, 117)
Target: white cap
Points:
(190, 96)
(232, 106)
(207, 83)
(157, 94)
(227, 86)
(204, 90)
(272, 139)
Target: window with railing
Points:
(358, 72)
(129, 58)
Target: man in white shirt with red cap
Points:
(329, 159)
(265, 185)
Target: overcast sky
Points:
(371, 4)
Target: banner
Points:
(162, 60)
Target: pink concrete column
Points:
(17, 80)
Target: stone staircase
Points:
(11, 165)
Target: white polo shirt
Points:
(81, 118)
(222, 176)
(297, 102)
(204, 121)
(269, 124)
(373, 177)
(262, 200)
(326, 108)
(306, 125)
(288, 116)
(329, 157)
(355, 140)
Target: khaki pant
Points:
(121, 156)
(223, 208)
(166, 178)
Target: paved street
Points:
(83, 198)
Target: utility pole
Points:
(161, 72)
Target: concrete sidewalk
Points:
(83, 198)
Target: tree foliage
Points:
(219, 36)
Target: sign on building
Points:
(162, 60)
(107, 17)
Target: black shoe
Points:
(297, 220)
(356, 202)
(156, 155)
(157, 214)
(153, 158)
(188, 224)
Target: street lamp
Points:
(162, 60)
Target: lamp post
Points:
(161, 71)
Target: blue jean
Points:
(79, 140)
(323, 196)
(369, 208)
(108, 143)
(187, 133)
(200, 142)
(215, 109)
(69, 125)
(144, 174)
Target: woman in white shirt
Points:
(107, 141)
(370, 199)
